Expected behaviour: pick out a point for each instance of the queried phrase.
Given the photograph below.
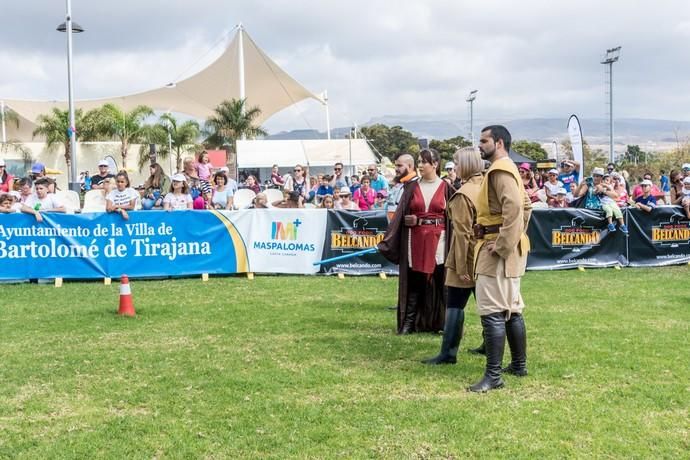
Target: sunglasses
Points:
(297, 170)
(337, 169)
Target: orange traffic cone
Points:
(126, 304)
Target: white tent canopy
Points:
(267, 86)
(312, 153)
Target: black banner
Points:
(571, 238)
(352, 231)
(659, 237)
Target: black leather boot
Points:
(410, 313)
(494, 337)
(452, 334)
(517, 341)
(481, 349)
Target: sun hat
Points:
(38, 168)
(178, 178)
(646, 182)
(2, 162)
(686, 180)
(598, 172)
(686, 165)
(450, 165)
(526, 166)
(103, 163)
(553, 171)
(561, 191)
(345, 190)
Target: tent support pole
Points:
(2, 116)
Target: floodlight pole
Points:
(472, 96)
(240, 66)
(2, 116)
(611, 56)
(328, 115)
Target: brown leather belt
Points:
(481, 230)
(431, 222)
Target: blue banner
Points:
(98, 245)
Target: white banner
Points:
(281, 240)
(575, 133)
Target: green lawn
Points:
(310, 367)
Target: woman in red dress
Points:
(417, 240)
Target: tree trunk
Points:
(68, 155)
(124, 154)
(178, 159)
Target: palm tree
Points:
(126, 127)
(232, 121)
(9, 116)
(55, 128)
(183, 139)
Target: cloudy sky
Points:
(528, 58)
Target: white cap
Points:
(178, 178)
(646, 182)
(598, 172)
(103, 163)
(344, 190)
(2, 162)
(224, 169)
(450, 165)
(686, 166)
(561, 191)
(686, 180)
(553, 171)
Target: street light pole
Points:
(611, 56)
(470, 99)
(70, 27)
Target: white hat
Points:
(178, 178)
(103, 163)
(16, 194)
(686, 165)
(2, 162)
(646, 182)
(561, 191)
(598, 172)
(553, 171)
(224, 169)
(344, 190)
(450, 165)
(686, 180)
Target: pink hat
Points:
(526, 166)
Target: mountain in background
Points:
(544, 130)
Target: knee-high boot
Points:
(410, 313)
(494, 337)
(517, 341)
(452, 334)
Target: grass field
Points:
(310, 367)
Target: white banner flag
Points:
(575, 133)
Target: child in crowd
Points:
(123, 197)
(179, 197)
(8, 205)
(354, 183)
(42, 200)
(345, 202)
(203, 166)
(646, 201)
(552, 185)
(203, 201)
(685, 202)
(609, 205)
(559, 201)
(324, 189)
(327, 202)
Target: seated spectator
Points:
(26, 186)
(345, 202)
(260, 201)
(552, 185)
(178, 198)
(38, 170)
(378, 180)
(222, 195)
(324, 189)
(599, 195)
(528, 182)
(293, 199)
(676, 179)
(123, 197)
(252, 184)
(637, 190)
(203, 201)
(276, 179)
(43, 201)
(646, 201)
(339, 179)
(155, 187)
(365, 196)
(381, 199)
(570, 172)
(619, 187)
(10, 205)
(685, 201)
(327, 202)
(103, 174)
(686, 169)
(560, 200)
(354, 184)
(6, 179)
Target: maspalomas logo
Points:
(671, 233)
(357, 237)
(575, 235)
(284, 237)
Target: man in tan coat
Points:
(503, 212)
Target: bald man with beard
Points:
(405, 172)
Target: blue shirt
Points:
(569, 178)
(649, 201)
(665, 184)
(324, 190)
(380, 183)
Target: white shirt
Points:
(48, 203)
(553, 188)
(121, 198)
(178, 202)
